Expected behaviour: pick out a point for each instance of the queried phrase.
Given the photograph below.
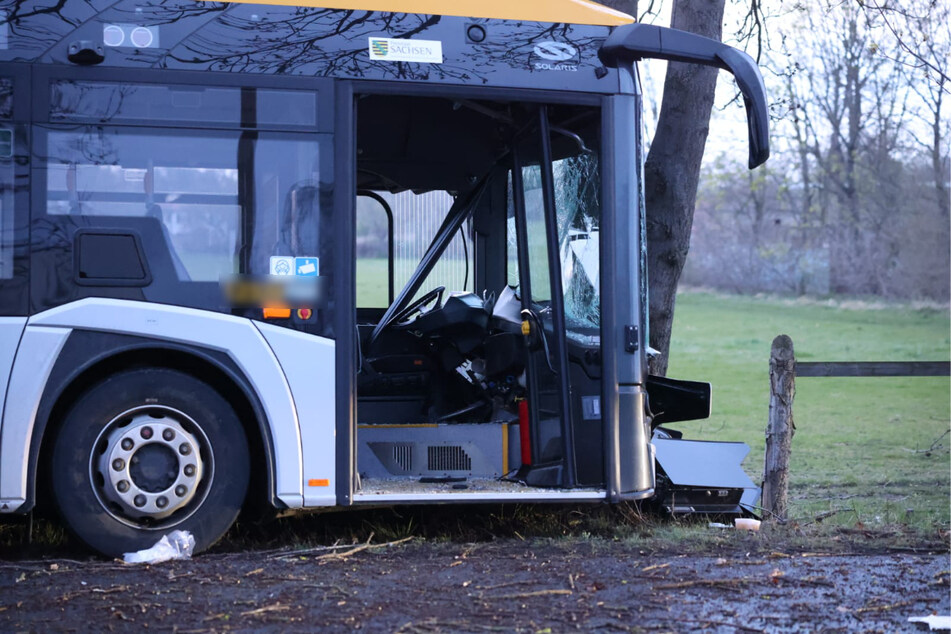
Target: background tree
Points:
(854, 199)
(847, 98)
(922, 31)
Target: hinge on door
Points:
(631, 343)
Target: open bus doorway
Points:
(477, 286)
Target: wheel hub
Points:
(150, 465)
(154, 467)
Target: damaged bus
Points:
(312, 257)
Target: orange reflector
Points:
(277, 312)
(321, 482)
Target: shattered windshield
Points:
(578, 205)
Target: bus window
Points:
(190, 187)
(128, 102)
(197, 184)
(537, 243)
(6, 202)
(6, 180)
(6, 98)
(577, 185)
(416, 219)
(511, 237)
(373, 235)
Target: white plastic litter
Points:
(933, 621)
(746, 524)
(175, 545)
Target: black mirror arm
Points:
(636, 41)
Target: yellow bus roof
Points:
(561, 11)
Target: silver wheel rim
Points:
(151, 466)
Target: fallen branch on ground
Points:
(277, 607)
(724, 623)
(726, 583)
(527, 595)
(881, 608)
(283, 553)
(360, 548)
(334, 555)
(742, 581)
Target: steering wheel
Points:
(402, 318)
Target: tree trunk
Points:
(672, 170)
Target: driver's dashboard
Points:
(459, 308)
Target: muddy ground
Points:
(749, 584)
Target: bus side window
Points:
(374, 235)
(14, 232)
(6, 180)
(416, 219)
(208, 197)
(511, 236)
(6, 202)
(189, 185)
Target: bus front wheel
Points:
(146, 452)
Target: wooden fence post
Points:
(780, 429)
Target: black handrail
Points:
(557, 301)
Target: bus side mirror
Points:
(632, 42)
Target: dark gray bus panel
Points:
(317, 257)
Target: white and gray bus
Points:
(316, 257)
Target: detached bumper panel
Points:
(705, 476)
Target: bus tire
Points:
(145, 452)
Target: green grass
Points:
(858, 447)
(372, 283)
(372, 278)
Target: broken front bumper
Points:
(695, 476)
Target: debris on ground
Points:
(175, 545)
(511, 585)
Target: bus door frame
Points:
(345, 192)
